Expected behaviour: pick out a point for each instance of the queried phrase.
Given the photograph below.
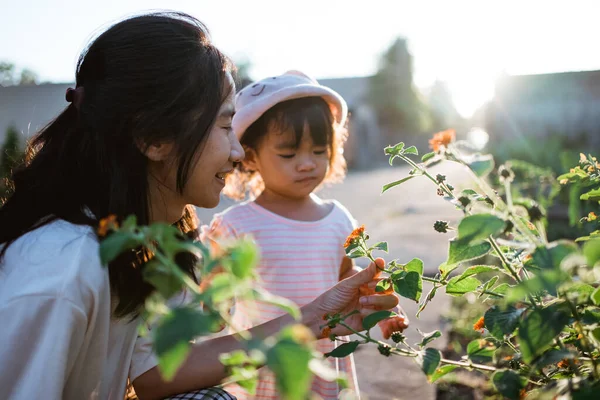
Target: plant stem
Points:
(504, 260)
(428, 279)
(469, 364)
(369, 339)
(584, 338)
(427, 174)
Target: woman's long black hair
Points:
(148, 79)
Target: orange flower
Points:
(326, 332)
(592, 216)
(443, 138)
(479, 325)
(357, 233)
(106, 224)
(562, 364)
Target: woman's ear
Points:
(156, 152)
(250, 161)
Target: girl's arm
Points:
(203, 369)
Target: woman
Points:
(148, 132)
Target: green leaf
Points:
(411, 150)
(289, 361)
(343, 350)
(429, 359)
(173, 335)
(592, 195)
(445, 269)
(552, 255)
(415, 265)
(383, 285)
(578, 291)
(545, 280)
(285, 304)
(428, 156)
(596, 296)
(410, 286)
(457, 286)
(383, 246)
(246, 377)
(459, 251)
(429, 337)
(591, 249)
(487, 285)
(478, 269)
(353, 246)
(538, 330)
(394, 150)
(508, 383)
(372, 319)
(481, 165)
(480, 351)
(552, 356)
(243, 259)
(591, 316)
(359, 252)
(428, 298)
(159, 276)
(115, 244)
(237, 357)
(502, 322)
(478, 227)
(441, 371)
(396, 183)
(502, 288)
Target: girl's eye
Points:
(287, 155)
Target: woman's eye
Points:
(287, 155)
(319, 152)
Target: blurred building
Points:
(30, 107)
(364, 135)
(540, 106)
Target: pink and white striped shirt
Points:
(299, 261)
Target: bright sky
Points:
(465, 43)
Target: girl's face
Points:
(207, 175)
(289, 171)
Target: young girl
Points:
(292, 130)
(147, 131)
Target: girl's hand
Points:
(346, 297)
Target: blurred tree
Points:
(11, 155)
(398, 104)
(242, 75)
(441, 105)
(28, 77)
(9, 75)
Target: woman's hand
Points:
(346, 297)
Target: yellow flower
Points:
(564, 181)
(582, 157)
(357, 233)
(592, 216)
(106, 224)
(443, 138)
(479, 325)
